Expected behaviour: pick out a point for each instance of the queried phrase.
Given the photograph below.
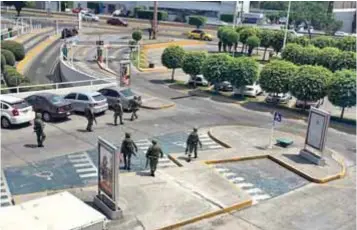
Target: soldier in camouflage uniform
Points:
(39, 127)
(153, 154)
(118, 112)
(134, 105)
(191, 144)
(128, 148)
(89, 113)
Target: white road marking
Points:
(84, 160)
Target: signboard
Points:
(108, 172)
(124, 74)
(317, 128)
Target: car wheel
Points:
(46, 116)
(5, 123)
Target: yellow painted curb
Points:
(217, 140)
(30, 55)
(179, 43)
(235, 207)
(236, 159)
(160, 107)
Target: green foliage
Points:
(197, 21)
(17, 4)
(292, 52)
(276, 76)
(16, 48)
(138, 8)
(252, 42)
(137, 35)
(172, 58)
(3, 90)
(193, 62)
(229, 36)
(273, 16)
(322, 41)
(3, 62)
(332, 26)
(31, 4)
(227, 17)
(9, 57)
(346, 60)
(301, 55)
(220, 31)
(347, 43)
(310, 55)
(242, 71)
(12, 77)
(310, 83)
(329, 58)
(247, 32)
(278, 40)
(274, 5)
(149, 14)
(303, 40)
(240, 28)
(266, 37)
(215, 67)
(342, 89)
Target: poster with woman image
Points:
(106, 172)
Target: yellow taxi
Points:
(199, 34)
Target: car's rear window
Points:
(20, 105)
(98, 97)
(56, 99)
(249, 88)
(127, 92)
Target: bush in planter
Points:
(322, 42)
(347, 43)
(329, 58)
(346, 60)
(292, 52)
(3, 62)
(137, 35)
(16, 48)
(252, 42)
(149, 14)
(12, 77)
(9, 57)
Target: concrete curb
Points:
(286, 165)
(159, 107)
(105, 69)
(174, 160)
(235, 207)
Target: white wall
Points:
(346, 16)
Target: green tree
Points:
(302, 40)
(292, 52)
(215, 67)
(310, 55)
(227, 17)
(322, 41)
(310, 83)
(332, 26)
(12, 77)
(193, 62)
(172, 58)
(9, 57)
(197, 21)
(137, 35)
(342, 90)
(242, 71)
(278, 40)
(329, 58)
(229, 37)
(346, 60)
(245, 33)
(17, 4)
(347, 43)
(252, 42)
(16, 48)
(266, 37)
(276, 76)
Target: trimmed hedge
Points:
(137, 35)
(9, 57)
(197, 21)
(227, 17)
(12, 77)
(16, 48)
(3, 62)
(149, 14)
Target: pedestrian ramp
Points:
(6, 199)
(83, 165)
(257, 194)
(144, 144)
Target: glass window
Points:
(71, 96)
(19, 105)
(56, 99)
(82, 97)
(104, 92)
(31, 100)
(98, 97)
(4, 106)
(127, 92)
(112, 93)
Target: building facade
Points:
(345, 11)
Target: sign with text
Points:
(317, 128)
(125, 70)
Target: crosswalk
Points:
(5, 193)
(83, 165)
(256, 193)
(206, 141)
(144, 144)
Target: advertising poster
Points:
(106, 172)
(317, 128)
(125, 74)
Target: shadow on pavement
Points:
(32, 146)
(297, 159)
(20, 126)
(82, 131)
(142, 173)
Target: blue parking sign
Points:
(277, 116)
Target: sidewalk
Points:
(27, 37)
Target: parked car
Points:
(77, 10)
(15, 111)
(281, 98)
(81, 100)
(50, 105)
(249, 90)
(117, 22)
(224, 86)
(90, 17)
(113, 93)
(300, 104)
(67, 33)
(200, 34)
(199, 80)
(341, 33)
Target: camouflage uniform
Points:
(39, 130)
(118, 112)
(134, 105)
(90, 117)
(191, 144)
(153, 154)
(128, 147)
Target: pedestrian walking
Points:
(152, 155)
(89, 113)
(118, 112)
(134, 105)
(128, 148)
(191, 144)
(38, 128)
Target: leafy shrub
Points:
(9, 57)
(227, 17)
(16, 48)
(197, 21)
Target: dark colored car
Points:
(117, 22)
(50, 105)
(224, 86)
(113, 93)
(67, 33)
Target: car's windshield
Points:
(56, 99)
(127, 92)
(19, 105)
(98, 97)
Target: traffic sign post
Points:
(277, 118)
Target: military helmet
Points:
(127, 135)
(135, 97)
(154, 142)
(195, 129)
(38, 115)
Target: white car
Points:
(340, 33)
(199, 79)
(89, 17)
(15, 111)
(81, 100)
(293, 32)
(249, 90)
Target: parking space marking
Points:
(86, 168)
(5, 194)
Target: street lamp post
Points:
(287, 25)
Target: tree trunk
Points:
(342, 112)
(219, 46)
(235, 47)
(194, 83)
(172, 75)
(265, 51)
(250, 50)
(242, 48)
(305, 102)
(224, 47)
